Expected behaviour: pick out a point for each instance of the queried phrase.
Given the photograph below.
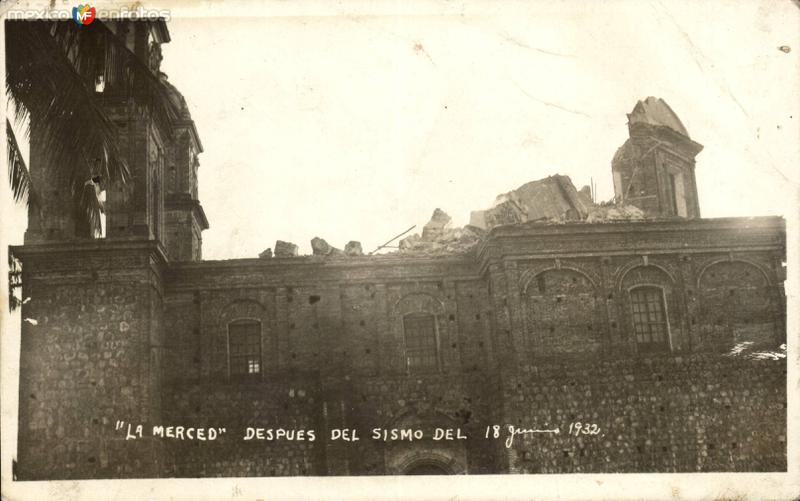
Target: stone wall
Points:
(534, 329)
(321, 405)
(90, 356)
(694, 413)
(288, 403)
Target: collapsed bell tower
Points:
(654, 169)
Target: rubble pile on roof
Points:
(439, 237)
(319, 247)
(615, 212)
(552, 199)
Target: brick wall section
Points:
(564, 315)
(735, 304)
(348, 335)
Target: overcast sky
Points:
(355, 127)
(358, 127)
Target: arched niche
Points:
(562, 313)
(735, 305)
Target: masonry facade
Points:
(625, 327)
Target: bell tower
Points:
(159, 199)
(654, 169)
(184, 218)
(92, 344)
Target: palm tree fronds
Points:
(51, 71)
(72, 126)
(18, 175)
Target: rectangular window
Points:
(244, 348)
(649, 320)
(156, 212)
(673, 193)
(422, 348)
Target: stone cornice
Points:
(179, 201)
(188, 123)
(771, 223)
(318, 269)
(659, 236)
(506, 243)
(87, 247)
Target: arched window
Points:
(244, 348)
(650, 319)
(422, 344)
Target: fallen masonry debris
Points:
(353, 248)
(615, 212)
(322, 248)
(552, 200)
(438, 237)
(437, 226)
(285, 249)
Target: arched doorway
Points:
(426, 468)
(424, 456)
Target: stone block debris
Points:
(285, 249)
(437, 226)
(553, 199)
(320, 247)
(353, 248)
(615, 212)
(438, 237)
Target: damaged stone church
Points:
(649, 336)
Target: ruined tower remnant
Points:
(654, 169)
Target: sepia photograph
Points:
(314, 250)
